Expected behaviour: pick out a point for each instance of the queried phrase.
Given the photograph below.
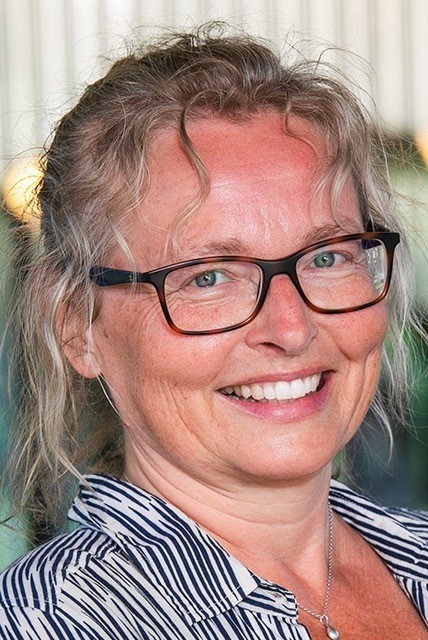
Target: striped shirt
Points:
(138, 568)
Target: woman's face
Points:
(170, 389)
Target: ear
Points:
(76, 342)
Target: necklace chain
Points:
(331, 632)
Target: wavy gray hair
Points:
(96, 172)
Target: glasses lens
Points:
(344, 275)
(212, 295)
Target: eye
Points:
(209, 279)
(328, 259)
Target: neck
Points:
(277, 529)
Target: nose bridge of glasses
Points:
(284, 314)
(285, 266)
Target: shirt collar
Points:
(165, 545)
(399, 536)
(175, 552)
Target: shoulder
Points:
(365, 514)
(82, 585)
(37, 579)
(399, 535)
(359, 507)
(413, 520)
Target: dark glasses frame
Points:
(106, 277)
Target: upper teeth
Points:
(280, 390)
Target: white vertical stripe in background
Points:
(50, 49)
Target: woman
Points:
(218, 241)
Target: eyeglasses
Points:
(222, 293)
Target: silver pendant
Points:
(332, 632)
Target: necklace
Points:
(330, 631)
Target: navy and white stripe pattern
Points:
(137, 568)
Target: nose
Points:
(284, 321)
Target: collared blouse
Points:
(137, 568)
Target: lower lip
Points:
(287, 411)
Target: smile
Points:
(275, 391)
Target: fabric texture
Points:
(140, 569)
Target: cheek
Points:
(139, 353)
(186, 363)
(360, 335)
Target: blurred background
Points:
(49, 51)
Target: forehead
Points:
(262, 183)
(234, 153)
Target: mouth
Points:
(274, 392)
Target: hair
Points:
(96, 172)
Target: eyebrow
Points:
(231, 246)
(330, 231)
(236, 247)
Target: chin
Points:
(294, 466)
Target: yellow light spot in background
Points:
(421, 140)
(18, 186)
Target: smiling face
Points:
(274, 400)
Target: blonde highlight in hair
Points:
(96, 173)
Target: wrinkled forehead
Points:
(250, 177)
